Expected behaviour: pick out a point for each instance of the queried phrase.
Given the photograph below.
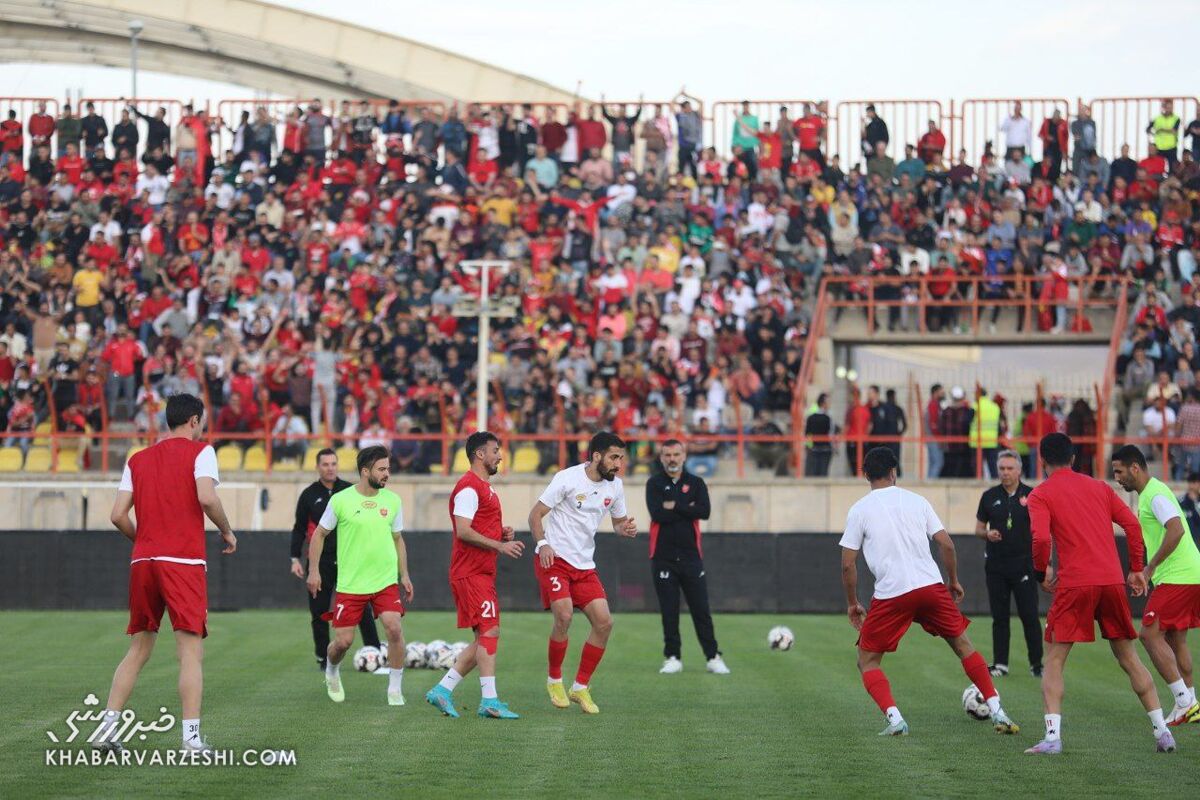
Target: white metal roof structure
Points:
(255, 44)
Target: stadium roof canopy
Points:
(258, 45)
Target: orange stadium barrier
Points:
(725, 112)
(1123, 120)
(978, 122)
(907, 121)
(540, 111)
(111, 107)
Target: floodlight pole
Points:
(135, 30)
(485, 316)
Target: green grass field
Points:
(782, 725)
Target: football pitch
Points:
(784, 724)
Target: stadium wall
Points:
(259, 503)
(747, 572)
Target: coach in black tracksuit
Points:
(677, 501)
(1002, 521)
(309, 509)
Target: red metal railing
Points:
(111, 107)
(907, 121)
(1123, 120)
(726, 112)
(25, 108)
(979, 121)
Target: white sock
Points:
(450, 680)
(109, 725)
(395, 679)
(554, 680)
(576, 686)
(1157, 722)
(191, 731)
(488, 687)
(1053, 727)
(332, 669)
(994, 704)
(1182, 694)
(893, 716)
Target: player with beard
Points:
(564, 523)
(479, 537)
(372, 566)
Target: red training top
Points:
(467, 559)
(1076, 513)
(170, 521)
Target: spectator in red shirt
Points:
(1154, 164)
(71, 165)
(122, 354)
(932, 143)
(809, 130)
(12, 139)
(40, 126)
(591, 132)
(933, 414)
(858, 425)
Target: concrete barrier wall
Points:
(256, 504)
(747, 572)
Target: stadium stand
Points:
(296, 263)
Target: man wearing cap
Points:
(1002, 521)
(956, 425)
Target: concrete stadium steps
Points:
(852, 327)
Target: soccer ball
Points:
(457, 649)
(780, 638)
(436, 652)
(974, 703)
(414, 655)
(383, 654)
(367, 659)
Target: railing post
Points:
(741, 436)
(978, 435)
(106, 439)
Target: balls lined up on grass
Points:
(367, 659)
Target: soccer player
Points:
(564, 523)
(1074, 515)
(309, 508)
(1174, 569)
(370, 556)
(892, 527)
(171, 487)
(479, 537)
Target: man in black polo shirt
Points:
(309, 509)
(677, 501)
(1002, 521)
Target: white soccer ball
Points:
(457, 649)
(414, 655)
(436, 653)
(367, 659)
(383, 654)
(974, 703)
(780, 638)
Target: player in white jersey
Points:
(564, 523)
(892, 527)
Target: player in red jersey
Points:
(892, 528)
(171, 487)
(479, 536)
(1074, 514)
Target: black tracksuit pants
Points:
(687, 575)
(321, 604)
(1007, 580)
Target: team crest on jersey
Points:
(1024, 500)
(607, 502)
(369, 504)
(685, 488)
(579, 498)
(383, 512)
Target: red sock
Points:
(977, 670)
(558, 651)
(878, 687)
(587, 662)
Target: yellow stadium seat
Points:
(229, 457)
(347, 460)
(68, 460)
(526, 459)
(285, 465)
(310, 458)
(133, 451)
(461, 462)
(256, 458)
(11, 459)
(43, 427)
(37, 460)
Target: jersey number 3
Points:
(489, 609)
(555, 584)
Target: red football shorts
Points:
(1174, 606)
(348, 608)
(476, 601)
(888, 620)
(182, 589)
(562, 580)
(1075, 611)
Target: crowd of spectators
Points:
(307, 276)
